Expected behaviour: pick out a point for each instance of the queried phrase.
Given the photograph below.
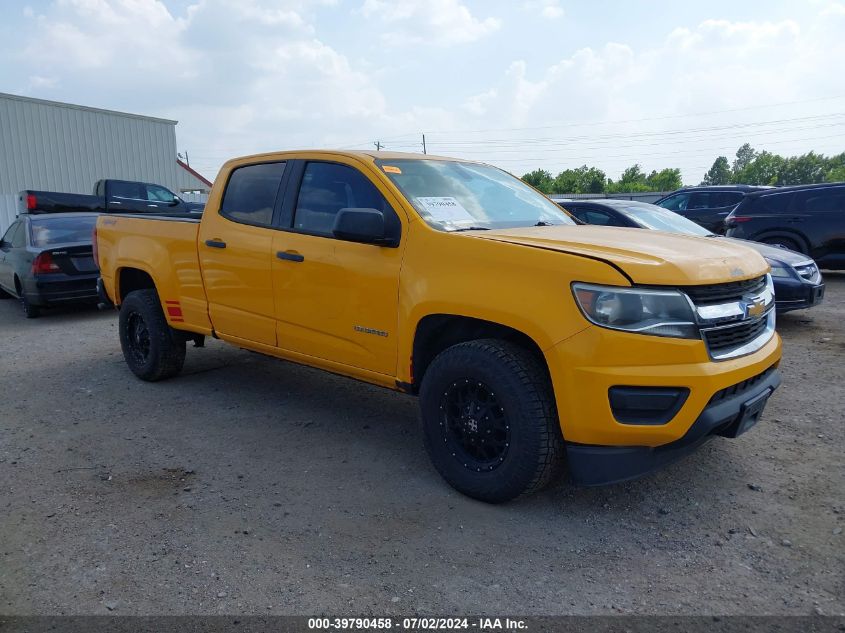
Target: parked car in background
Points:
(809, 219)
(47, 260)
(707, 206)
(798, 282)
(125, 196)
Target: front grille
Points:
(731, 291)
(733, 336)
(739, 387)
(807, 271)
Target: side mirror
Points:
(360, 225)
(176, 200)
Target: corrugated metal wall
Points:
(62, 147)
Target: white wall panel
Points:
(62, 147)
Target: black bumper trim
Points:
(601, 465)
(103, 295)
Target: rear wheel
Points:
(783, 242)
(489, 420)
(151, 348)
(29, 311)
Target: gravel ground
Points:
(250, 485)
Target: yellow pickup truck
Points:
(530, 341)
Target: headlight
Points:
(654, 312)
(778, 270)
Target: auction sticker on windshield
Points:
(445, 209)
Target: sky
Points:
(521, 84)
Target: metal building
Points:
(56, 146)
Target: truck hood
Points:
(646, 257)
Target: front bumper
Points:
(607, 444)
(792, 294)
(729, 413)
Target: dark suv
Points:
(707, 206)
(805, 218)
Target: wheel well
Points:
(802, 242)
(18, 286)
(438, 332)
(133, 279)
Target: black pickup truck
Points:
(110, 196)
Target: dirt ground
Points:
(250, 485)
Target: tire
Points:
(783, 242)
(150, 347)
(29, 311)
(488, 455)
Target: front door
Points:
(336, 300)
(235, 247)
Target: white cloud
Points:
(550, 9)
(440, 22)
(255, 75)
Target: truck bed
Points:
(164, 247)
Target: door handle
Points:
(215, 244)
(291, 257)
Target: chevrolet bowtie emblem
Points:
(755, 309)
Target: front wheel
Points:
(151, 348)
(489, 420)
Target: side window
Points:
(725, 198)
(9, 236)
(128, 190)
(327, 188)
(578, 212)
(19, 237)
(676, 203)
(699, 200)
(594, 215)
(774, 204)
(832, 201)
(250, 195)
(158, 194)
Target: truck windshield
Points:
(453, 196)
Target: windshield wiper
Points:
(544, 223)
(470, 228)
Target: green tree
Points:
(540, 179)
(632, 179)
(764, 169)
(667, 179)
(580, 180)
(719, 173)
(805, 169)
(744, 156)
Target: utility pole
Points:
(378, 145)
(423, 143)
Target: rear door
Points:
(821, 215)
(6, 255)
(710, 208)
(235, 245)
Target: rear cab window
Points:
(251, 193)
